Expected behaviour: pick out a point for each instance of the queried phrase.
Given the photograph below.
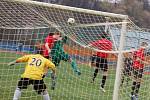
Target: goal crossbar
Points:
(100, 24)
(74, 9)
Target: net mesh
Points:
(24, 27)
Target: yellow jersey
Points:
(36, 66)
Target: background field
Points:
(69, 85)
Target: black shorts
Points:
(101, 63)
(137, 73)
(47, 57)
(39, 85)
(93, 58)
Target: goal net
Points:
(25, 24)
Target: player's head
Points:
(57, 35)
(39, 51)
(130, 54)
(144, 45)
(104, 35)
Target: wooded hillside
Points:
(137, 10)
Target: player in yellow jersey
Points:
(34, 71)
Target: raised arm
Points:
(47, 47)
(142, 61)
(50, 65)
(21, 59)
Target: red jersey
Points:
(103, 44)
(50, 40)
(138, 54)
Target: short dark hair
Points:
(57, 33)
(104, 34)
(39, 51)
(50, 34)
(144, 44)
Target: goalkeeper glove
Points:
(78, 72)
(50, 57)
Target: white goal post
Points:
(119, 63)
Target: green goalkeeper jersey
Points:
(57, 48)
(58, 54)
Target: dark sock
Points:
(122, 80)
(103, 81)
(128, 79)
(95, 74)
(137, 88)
(133, 87)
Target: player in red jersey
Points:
(49, 42)
(101, 58)
(138, 67)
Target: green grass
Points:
(69, 85)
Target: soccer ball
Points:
(71, 20)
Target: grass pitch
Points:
(69, 85)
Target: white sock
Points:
(46, 97)
(17, 94)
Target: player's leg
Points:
(45, 95)
(134, 84)
(17, 94)
(104, 68)
(104, 77)
(123, 76)
(53, 83)
(74, 66)
(139, 77)
(127, 74)
(96, 69)
(133, 88)
(40, 88)
(22, 84)
(66, 57)
(95, 74)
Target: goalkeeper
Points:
(57, 54)
(35, 69)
